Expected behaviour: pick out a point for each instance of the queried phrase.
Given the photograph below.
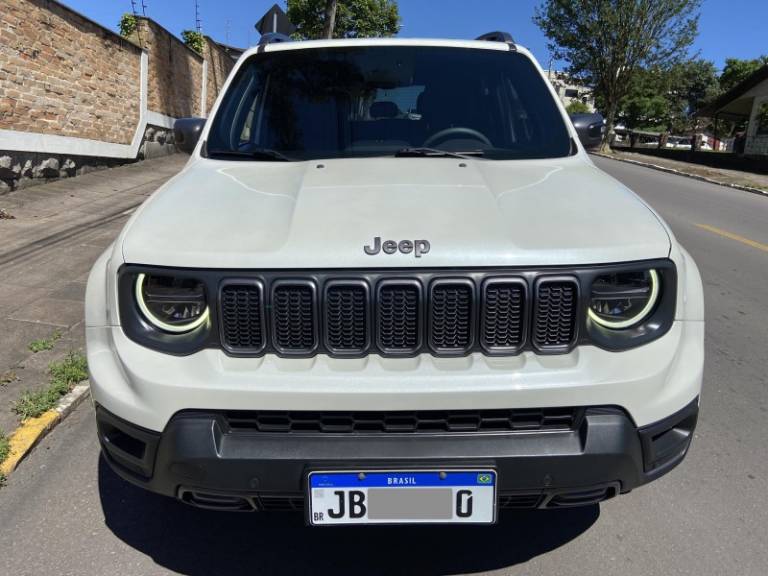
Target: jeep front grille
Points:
(348, 315)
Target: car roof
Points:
(339, 43)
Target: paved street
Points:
(64, 512)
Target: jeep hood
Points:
(224, 214)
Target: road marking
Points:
(732, 236)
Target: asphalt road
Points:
(64, 512)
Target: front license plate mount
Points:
(344, 497)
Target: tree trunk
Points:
(330, 18)
(609, 122)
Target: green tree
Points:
(663, 100)
(127, 25)
(692, 83)
(577, 107)
(606, 42)
(344, 18)
(736, 70)
(646, 105)
(194, 40)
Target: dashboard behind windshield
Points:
(348, 102)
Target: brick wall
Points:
(175, 72)
(220, 64)
(62, 74)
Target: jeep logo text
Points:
(418, 247)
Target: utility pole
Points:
(330, 18)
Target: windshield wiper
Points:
(254, 154)
(435, 153)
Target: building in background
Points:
(748, 100)
(569, 90)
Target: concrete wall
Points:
(75, 95)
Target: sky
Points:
(727, 28)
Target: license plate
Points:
(406, 497)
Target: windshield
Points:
(348, 102)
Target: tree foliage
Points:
(353, 18)
(606, 42)
(194, 40)
(577, 107)
(127, 25)
(736, 70)
(664, 99)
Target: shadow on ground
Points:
(200, 542)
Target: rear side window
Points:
(375, 100)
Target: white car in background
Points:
(390, 286)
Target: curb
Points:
(32, 430)
(680, 173)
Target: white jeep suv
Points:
(391, 287)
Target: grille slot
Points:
(554, 324)
(503, 315)
(294, 318)
(242, 317)
(398, 312)
(451, 316)
(418, 422)
(346, 318)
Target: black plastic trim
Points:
(395, 281)
(443, 351)
(296, 282)
(587, 332)
(265, 333)
(356, 282)
(504, 350)
(198, 453)
(556, 348)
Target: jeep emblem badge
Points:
(418, 247)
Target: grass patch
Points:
(64, 375)
(44, 343)
(5, 446)
(5, 449)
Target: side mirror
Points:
(590, 128)
(186, 133)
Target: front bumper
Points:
(200, 460)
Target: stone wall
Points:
(62, 74)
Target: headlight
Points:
(623, 299)
(175, 305)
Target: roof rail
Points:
(498, 36)
(273, 38)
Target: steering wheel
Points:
(456, 130)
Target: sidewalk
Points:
(46, 253)
(756, 182)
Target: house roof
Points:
(731, 103)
